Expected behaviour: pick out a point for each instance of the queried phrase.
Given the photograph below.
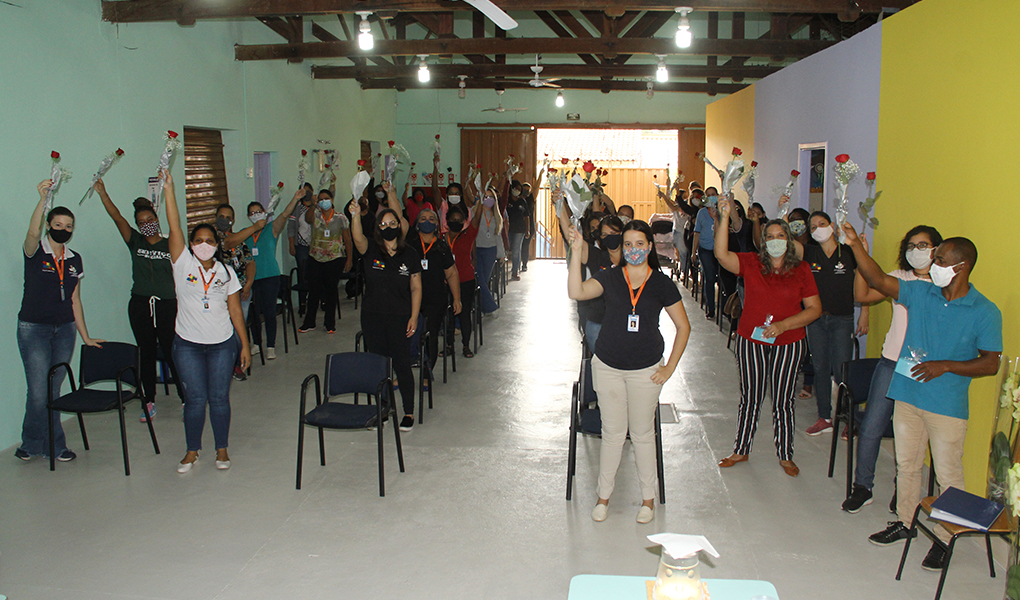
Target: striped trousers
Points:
(773, 368)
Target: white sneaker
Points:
(645, 514)
(255, 349)
(270, 353)
(600, 512)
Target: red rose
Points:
(871, 176)
(795, 173)
(736, 151)
(437, 136)
(842, 158)
(588, 166)
(172, 134)
(391, 143)
(564, 160)
(304, 153)
(412, 164)
(279, 184)
(120, 152)
(552, 170)
(522, 165)
(361, 163)
(54, 155)
(654, 176)
(547, 154)
(754, 163)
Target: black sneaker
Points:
(407, 424)
(936, 558)
(895, 532)
(859, 498)
(66, 456)
(25, 456)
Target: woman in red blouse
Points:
(780, 300)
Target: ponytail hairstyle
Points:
(642, 227)
(142, 205)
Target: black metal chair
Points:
(479, 338)
(449, 339)
(585, 418)
(163, 374)
(1003, 527)
(116, 362)
(285, 308)
(350, 373)
(851, 394)
(420, 354)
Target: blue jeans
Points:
(591, 333)
(41, 347)
(516, 241)
(264, 293)
(710, 272)
(877, 416)
(831, 338)
(301, 260)
(483, 271)
(206, 371)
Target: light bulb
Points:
(684, 37)
(559, 99)
(651, 90)
(661, 74)
(423, 70)
(365, 39)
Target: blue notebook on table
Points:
(963, 508)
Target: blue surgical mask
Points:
(712, 201)
(636, 256)
(325, 204)
(427, 227)
(776, 247)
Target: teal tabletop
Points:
(621, 587)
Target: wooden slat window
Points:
(205, 176)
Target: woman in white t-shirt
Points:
(210, 332)
(917, 250)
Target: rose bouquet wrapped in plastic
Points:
(172, 145)
(845, 170)
(104, 167)
(58, 175)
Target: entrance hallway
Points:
(480, 512)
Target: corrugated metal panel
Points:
(205, 176)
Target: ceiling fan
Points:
(499, 106)
(537, 82)
(494, 13)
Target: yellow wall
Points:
(949, 156)
(729, 122)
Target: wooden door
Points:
(692, 145)
(492, 147)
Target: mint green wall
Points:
(75, 84)
(422, 113)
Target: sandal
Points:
(805, 393)
(468, 353)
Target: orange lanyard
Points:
(488, 221)
(60, 271)
(454, 240)
(424, 250)
(634, 298)
(324, 217)
(212, 277)
(255, 236)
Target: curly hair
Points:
(932, 233)
(790, 260)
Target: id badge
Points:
(254, 251)
(205, 304)
(633, 323)
(325, 233)
(759, 334)
(424, 264)
(237, 263)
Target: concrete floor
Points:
(480, 512)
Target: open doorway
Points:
(811, 161)
(632, 157)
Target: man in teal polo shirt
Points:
(957, 334)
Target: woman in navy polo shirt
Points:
(50, 314)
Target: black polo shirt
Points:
(834, 276)
(42, 301)
(628, 350)
(388, 280)
(436, 258)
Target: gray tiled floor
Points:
(480, 512)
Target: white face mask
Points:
(453, 199)
(625, 220)
(919, 259)
(256, 217)
(776, 247)
(943, 276)
(822, 234)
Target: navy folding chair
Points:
(350, 373)
(420, 356)
(852, 393)
(115, 362)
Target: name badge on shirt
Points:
(325, 233)
(424, 264)
(254, 251)
(205, 304)
(633, 323)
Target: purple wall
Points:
(828, 97)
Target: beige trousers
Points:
(914, 429)
(627, 400)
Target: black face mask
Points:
(60, 236)
(390, 233)
(223, 224)
(612, 242)
(455, 226)
(308, 197)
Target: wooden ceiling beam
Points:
(530, 46)
(561, 31)
(136, 11)
(565, 84)
(474, 72)
(579, 31)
